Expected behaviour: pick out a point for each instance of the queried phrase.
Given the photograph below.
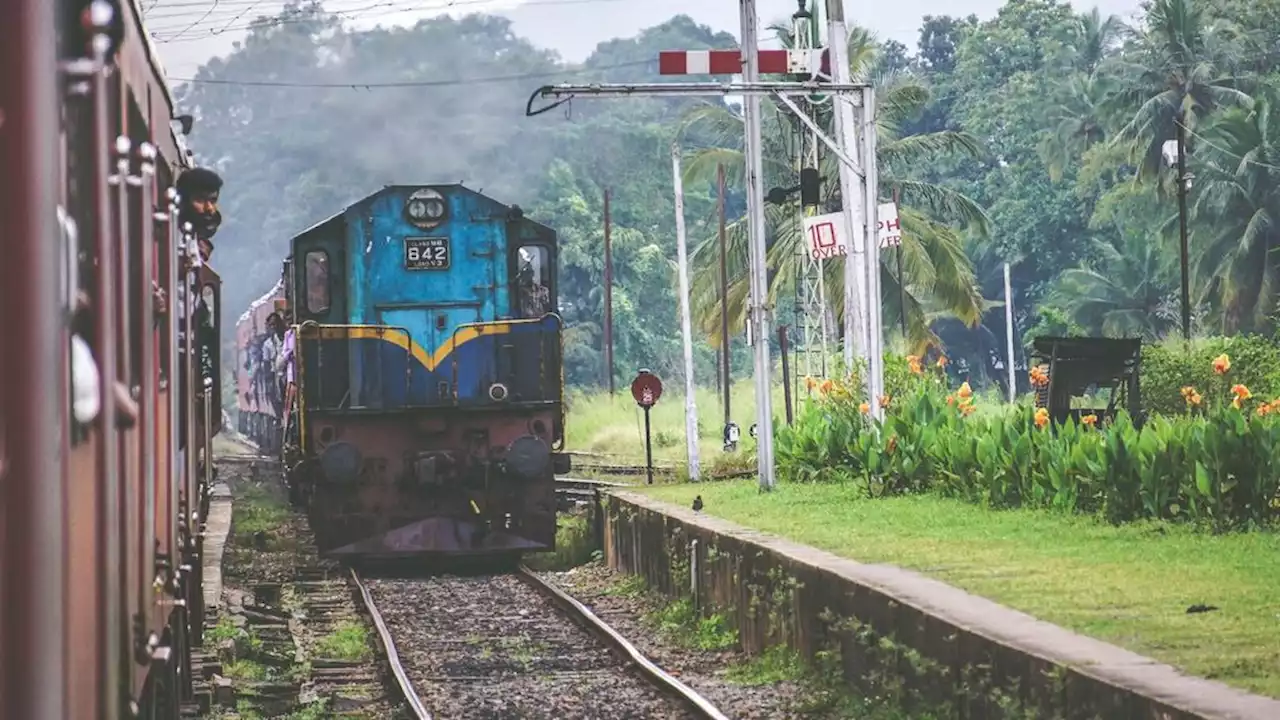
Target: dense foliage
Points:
(1033, 137)
(1215, 462)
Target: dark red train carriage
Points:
(105, 418)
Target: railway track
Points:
(514, 646)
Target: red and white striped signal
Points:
(729, 62)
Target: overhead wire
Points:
(1224, 151)
(207, 13)
(233, 7)
(384, 8)
(357, 85)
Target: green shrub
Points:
(1169, 366)
(1215, 463)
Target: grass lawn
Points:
(1128, 585)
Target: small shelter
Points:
(1076, 364)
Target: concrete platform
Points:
(945, 644)
(217, 528)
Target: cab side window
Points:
(533, 291)
(317, 268)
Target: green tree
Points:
(1237, 210)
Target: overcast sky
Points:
(189, 32)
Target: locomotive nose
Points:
(528, 457)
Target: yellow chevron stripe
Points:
(401, 339)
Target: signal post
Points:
(828, 74)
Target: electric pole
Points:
(608, 294)
(686, 322)
(1183, 181)
(759, 300)
(856, 335)
(724, 299)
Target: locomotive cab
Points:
(429, 376)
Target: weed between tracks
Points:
(288, 636)
(349, 641)
(574, 544)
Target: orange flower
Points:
(810, 383)
(965, 391)
(1039, 378)
(1241, 392)
(1194, 399)
(942, 362)
(826, 386)
(951, 400)
(1187, 391)
(892, 444)
(865, 408)
(1263, 409)
(967, 409)
(1042, 417)
(913, 361)
(1089, 420)
(885, 401)
(1222, 364)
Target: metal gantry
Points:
(854, 145)
(811, 300)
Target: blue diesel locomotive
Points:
(424, 402)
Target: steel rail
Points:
(652, 672)
(393, 657)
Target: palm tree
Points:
(1095, 37)
(939, 276)
(1175, 83)
(1123, 293)
(1237, 214)
(1078, 122)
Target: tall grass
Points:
(614, 426)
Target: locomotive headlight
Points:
(426, 208)
(417, 210)
(435, 209)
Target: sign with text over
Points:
(828, 236)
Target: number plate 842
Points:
(426, 253)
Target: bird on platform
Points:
(697, 503)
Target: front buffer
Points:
(430, 484)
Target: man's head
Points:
(199, 189)
(275, 323)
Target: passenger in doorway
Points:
(198, 191)
(267, 375)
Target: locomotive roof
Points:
(404, 186)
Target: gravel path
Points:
(595, 585)
(494, 648)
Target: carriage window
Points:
(533, 281)
(317, 263)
